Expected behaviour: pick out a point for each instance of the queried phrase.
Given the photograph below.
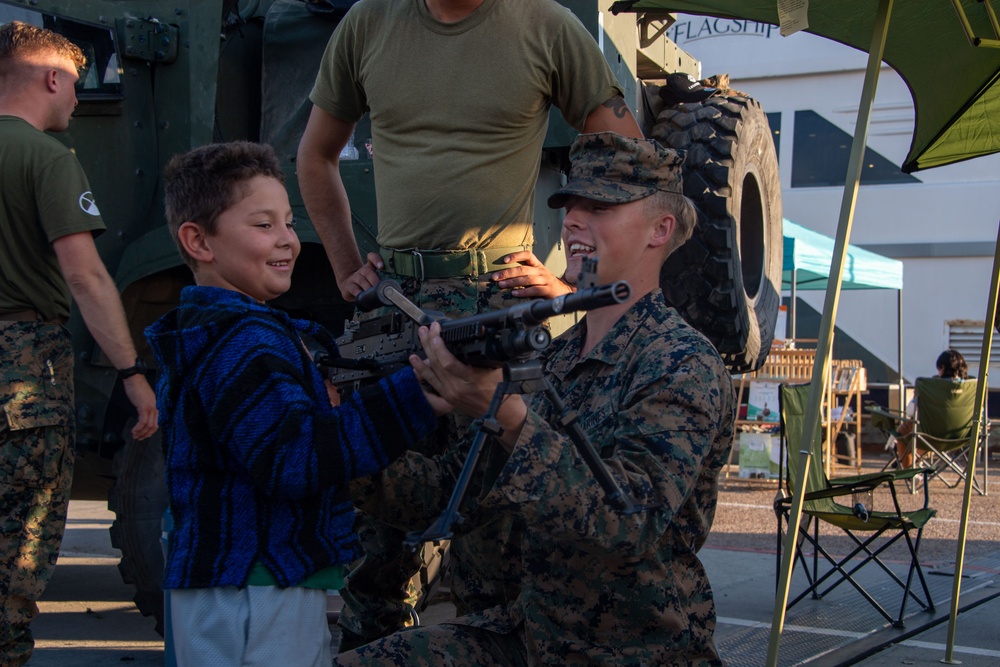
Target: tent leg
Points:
(791, 303)
(899, 344)
(821, 367)
(970, 470)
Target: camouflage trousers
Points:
(381, 588)
(36, 471)
(442, 644)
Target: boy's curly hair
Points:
(203, 183)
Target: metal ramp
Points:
(842, 629)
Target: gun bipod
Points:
(523, 377)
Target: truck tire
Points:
(138, 498)
(726, 280)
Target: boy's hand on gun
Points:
(332, 392)
(469, 389)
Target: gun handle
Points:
(375, 297)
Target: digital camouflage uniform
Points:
(597, 586)
(36, 471)
(380, 591)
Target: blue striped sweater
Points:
(257, 460)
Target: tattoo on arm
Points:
(617, 106)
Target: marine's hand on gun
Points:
(530, 279)
(433, 385)
(364, 278)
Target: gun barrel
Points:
(586, 299)
(537, 311)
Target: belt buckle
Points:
(420, 259)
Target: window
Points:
(101, 78)
(966, 336)
(821, 151)
(774, 120)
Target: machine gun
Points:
(382, 345)
(508, 338)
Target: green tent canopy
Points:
(808, 256)
(954, 84)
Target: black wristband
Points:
(138, 369)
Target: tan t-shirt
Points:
(459, 111)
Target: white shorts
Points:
(255, 626)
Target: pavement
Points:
(88, 620)
(87, 616)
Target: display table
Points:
(758, 417)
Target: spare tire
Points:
(138, 498)
(726, 280)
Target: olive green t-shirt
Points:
(44, 195)
(459, 111)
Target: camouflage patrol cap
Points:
(610, 168)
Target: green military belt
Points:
(21, 316)
(29, 316)
(423, 264)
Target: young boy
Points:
(257, 458)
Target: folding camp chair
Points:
(942, 429)
(871, 531)
(887, 422)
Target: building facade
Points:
(941, 223)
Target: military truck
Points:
(165, 76)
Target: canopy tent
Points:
(947, 52)
(809, 255)
(807, 262)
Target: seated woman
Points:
(950, 364)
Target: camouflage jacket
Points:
(597, 586)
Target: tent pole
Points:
(791, 303)
(982, 387)
(899, 343)
(821, 367)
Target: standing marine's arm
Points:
(613, 116)
(586, 90)
(96, 295)
(318, 168)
